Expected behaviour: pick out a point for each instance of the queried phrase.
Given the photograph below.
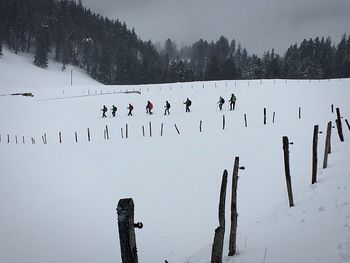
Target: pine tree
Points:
(42, 47)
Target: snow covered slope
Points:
(19, 74)
(58, 200)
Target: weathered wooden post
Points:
(217, 248)
(245, 120)
(126, 225)
(314, 155)
(8, 138)
(143, 131)
(126, 131)
(88, 132)
(332, 108)
(150, 129)
(200, 126)
(16, 139)
(76, 137)
(178, 132)
(264, 116)
(287, 170)
(161, 129)
(273, 117)
(23, 140)
(299, 113)
(60, 136)
(45, 137)
(327, 146)
(234, 214)
(223, 122)
(339, 125)
(121, 132)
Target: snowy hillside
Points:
(19, 74)
(58, 200)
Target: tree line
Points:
(70, 33)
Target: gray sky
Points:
(258, 24)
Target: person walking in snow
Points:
(221, 102)
(114, 110)
(188, 103)
(130, 108)
(232, 101)
(167, 107)
(149, 108)
(104, 110)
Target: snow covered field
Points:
(58, 201)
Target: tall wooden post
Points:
(245, 120)
(299, 113)
(327, 145)
(125, 211)
(314, 155)
(143, 130)
(76, 136)
(200, 126)
(60, 136)
(223, 122)
(332, 108)
(217, 248)
(339, 125)
(88, 132)
(287, 170)
(273, 117)
(161, 129)
(233, 230)
(264, 116)
(126, 131)
(107, 134)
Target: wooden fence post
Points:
(45, 137)
(327, 146)
(88, 132)
(121, 132)
(76, 137)
(314, 155)
(200, 126)
(126, 131)
(339, 125)
(161, 129)
(264, 116)
(299, 113)
(8, 138)
(107, 134)
(143, 130)
(273, 117)
(245, 120)
(233, 230)
(126, 226)
(223, 122)
(347, 123)
(287, 170)
(16, 139)
(23, 140)
(217, 248)
(150, 129)
(177, 129)
(332, 108)
(60, 136)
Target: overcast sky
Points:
(258, 24)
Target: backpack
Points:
(222, 100)
(168, 105)
(189, 103)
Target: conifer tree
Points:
(42, 47)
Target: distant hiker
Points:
(232, 102)
(149, 108)
(130, 108)
(188, 103)
(221, 102)
(104, 110)
(167, 107)
(114, 110)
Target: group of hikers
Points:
(149, 107)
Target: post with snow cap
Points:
(126, 226)
(287, 169)
(217, 248)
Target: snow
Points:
(58, 201)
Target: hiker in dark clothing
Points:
(167, 107)
(104, 110)
(130, 108)
(188, 103)
(114, 110)
(149, 108)
(221, 102)
(232, 102)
